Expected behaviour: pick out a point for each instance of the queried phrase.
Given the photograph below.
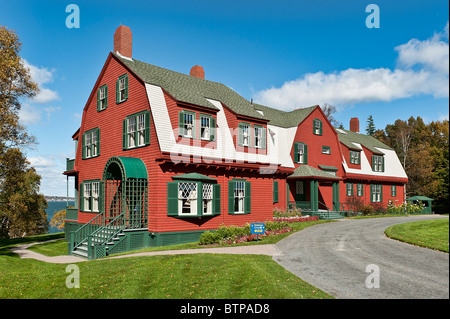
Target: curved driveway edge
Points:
(335, 257)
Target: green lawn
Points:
(432, 234)
(180, 276)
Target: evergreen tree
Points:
(370, 129)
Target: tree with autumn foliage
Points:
(22, 208)
(423, 150)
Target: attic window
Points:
(341, 131)
(317, 127)
(260, 112)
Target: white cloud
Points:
(42, 76)
(32, 114)
(422, 69)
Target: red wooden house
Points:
(162, 156)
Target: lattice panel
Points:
(207, 191)
(187, 190)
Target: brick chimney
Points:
(198, 72)
(354, 124)
(123, 41)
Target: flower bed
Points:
(253, 237)
(296, 219)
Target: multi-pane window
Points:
(258, 137)
(122, 88)
(359, 190)
(131, 132)
(136, 130)
(300, 153)
(349, 189)
(207, 198)
(378, 163)
(355, 157)
(102, 98)
(90, 196)
(317, 127)
(91, 143)
(188, 124)
(239, 196)
(187, 198)
(326, 150)
(205, 127)
(245, 134)
(393, 190)
(376, 195)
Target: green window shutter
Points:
(275, 191)
(240, 135)
(382, 163)
(381, 193)
(106, 96)
(81, 197)
(295, 152)
(98, 141)
(314, 126)
(362, 189)
(101, 196)
(126, 86)
(124, 135)
(98, 99)
(181, 123)
(117, 92)
(250, 135)
(172, 199)
(83, 147)
(212, 129)
(194, 126)
(371, 193)
(230, 197)
(147, 128)
(216, 199)
(248, 197)
(321, 127)
(373, 162)
(263, 134)
(305, 154)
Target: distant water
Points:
(52, 208)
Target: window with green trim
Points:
(393, 190)
(378, 163)
(326, 150)
(186, 124)
(207, 127)
(376, 193)
(136, 130)
(122, 88)
(360, 190)
(349, 189)
(259, 133)
(355, 157)
(300, 153)
(91, 196)
(317, 127)
(239, 197)
(90, 144)
(244, 134)
(102, 98)
(193, 199)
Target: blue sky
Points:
(284, 54)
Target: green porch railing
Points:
(79, 236)
(72, 213)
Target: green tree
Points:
(22, 208)
(370, 128)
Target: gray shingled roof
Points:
(309, 171)
(284, 119)
(368, 141)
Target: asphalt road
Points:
(335, 257)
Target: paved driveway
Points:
(335, 256)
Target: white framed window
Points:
(301, 153)
(87, 197)
(95, 196)
(326, 150)
(122, 88)
(258, 136)
(207, 199)
(187, 198)
(239, 197)
(349, 189)
(245, 135)
(102, 97)
(376, 193)
(359, 189)
(355, 157)
(188, 124)
(141, 129)
(131, 131)
(205, 128)
(317, 127)
(94, 143)
(87, 144)
(378, 163)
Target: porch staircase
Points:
(96, 238)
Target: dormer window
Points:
(244, 132)
(186, 125)
(355, 157)
(260, 136)
(378, 163)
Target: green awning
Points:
(328, 168)
(421, 198)
(195, 177)
(119, 167)
(306, 171)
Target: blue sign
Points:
(258, 228)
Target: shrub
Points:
(296, 212)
